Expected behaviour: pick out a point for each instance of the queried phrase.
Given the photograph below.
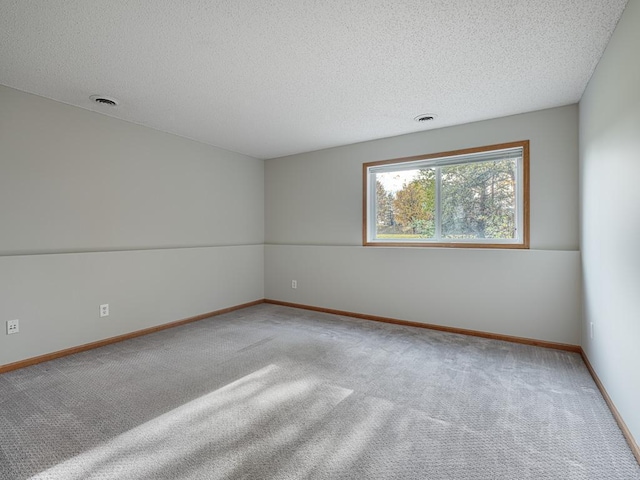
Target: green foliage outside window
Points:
(477, 201)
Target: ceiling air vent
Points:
(425, 117)
(102, 100)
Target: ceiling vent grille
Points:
(102, 100)
(425, 117)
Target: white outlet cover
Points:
(104, 310)
(13, 326)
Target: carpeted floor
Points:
(272, 392)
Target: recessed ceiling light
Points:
(102, 100)
(425, 117)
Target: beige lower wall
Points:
(533, 294)
(56, 297)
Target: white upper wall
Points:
(610, 218)
(74, 180)
(316, 198)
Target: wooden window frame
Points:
(526, 213)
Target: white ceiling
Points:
(272, 78)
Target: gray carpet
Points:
(274, 392)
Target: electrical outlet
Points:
(13, 326)
(591, 330)
(104, 310)
(294, 284)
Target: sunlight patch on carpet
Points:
(220, 432)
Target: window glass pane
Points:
(405, 204)
(479, 200)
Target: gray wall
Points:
(313, 212)
(97, 210)
(610, 217)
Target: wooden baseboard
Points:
(107, 341)
(461, 331)
(614, 411)
(101, 343)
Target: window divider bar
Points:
(373, 206)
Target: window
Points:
(476, 198)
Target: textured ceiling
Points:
(271, 78)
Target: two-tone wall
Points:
(313, 205)
(610, 217)
(95, 210)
